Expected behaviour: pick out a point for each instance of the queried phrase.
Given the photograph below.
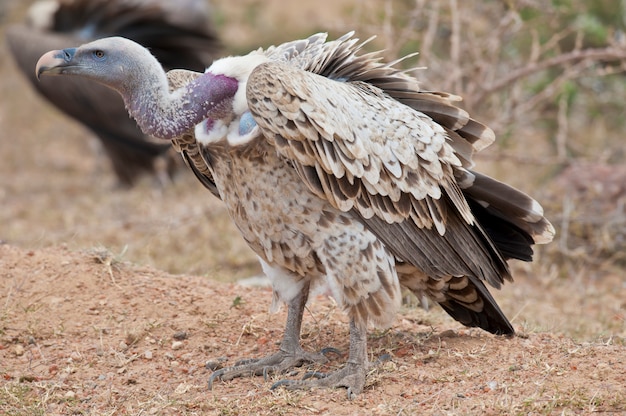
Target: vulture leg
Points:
(352, 376)
(290, 354)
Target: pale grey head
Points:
(130, 69)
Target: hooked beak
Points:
(55, 62)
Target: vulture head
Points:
(108, 61)
(217, 96)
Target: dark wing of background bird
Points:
(180, 37)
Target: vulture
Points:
(340, 173)
(179, 35)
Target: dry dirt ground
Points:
(112, 302)
(82, 333)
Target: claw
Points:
(351, 395)
(328, 350)
(313, 374)
(266, 373)
(216, 375)
(282, 383)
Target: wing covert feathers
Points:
(369, 151)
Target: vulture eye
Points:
(98, 54)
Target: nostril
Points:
(68, 54)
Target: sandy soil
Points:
(112, 302)
(84, 334)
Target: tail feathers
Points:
(504, 204)
(469, 302)
(464, 298)
(511, 241)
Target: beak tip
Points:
(43, 63)
(51, 63)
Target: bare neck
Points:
(166, 114)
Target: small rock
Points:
(148, 355)
(216, 364)
(176, 345)
(70, 394)
(19, 350)
(75, 356)
(492, 385)
(213, 365)
(169, 356)
(449, 333)
(181, 335)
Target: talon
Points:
(327, 350)
(216, 375)
(313, 374)
(351, 396)
(265, 373)
(281, 383)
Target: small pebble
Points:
(216, 364)
(19, 350)
(176, 345)
(492, 385)
(148, 355)
(181, 335)
(69, 395)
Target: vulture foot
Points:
(277, 363)
(352, 377)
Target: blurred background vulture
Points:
(179, 33)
